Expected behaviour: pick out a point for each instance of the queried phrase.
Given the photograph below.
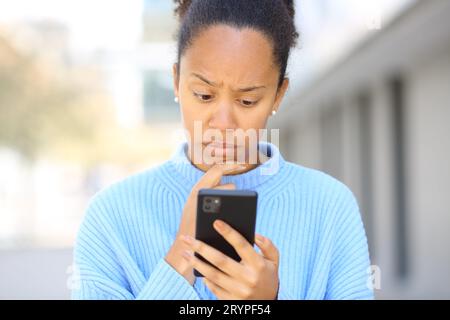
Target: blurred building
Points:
(379, 121)
(157, 55)
(140, 75)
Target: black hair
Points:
(275, 18)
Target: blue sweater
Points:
(312, 219)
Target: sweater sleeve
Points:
(284, 294)
(165, 283)
(103, 271)
(349, 271)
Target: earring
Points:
(274, 112)
(175, 99)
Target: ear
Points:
(280, 94)
(176, 78)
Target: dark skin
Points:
(227, 79)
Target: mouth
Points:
(222, 150)
(220, 145)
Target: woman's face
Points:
(227, 81)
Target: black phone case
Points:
(237, 208)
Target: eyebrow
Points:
(213, 84)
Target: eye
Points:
(203, 97)
(248, 103)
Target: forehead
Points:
(231, 54)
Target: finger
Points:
(232, 167)
(268, 249)
(217, 258)
(228, 186)
(213, 274)
(219, 292)
(212, 177)
(239, 243)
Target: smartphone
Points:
(235, 207)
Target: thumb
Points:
(268, 249)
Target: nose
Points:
(223, 117)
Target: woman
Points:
(136, 241)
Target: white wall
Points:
(429, 172)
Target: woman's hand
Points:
(255, 277)
(210, 179)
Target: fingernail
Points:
(259, 239)
(187, 255)
(188, 239)
(219, 225)
(233, 168)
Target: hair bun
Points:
(181, 7)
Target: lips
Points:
(221, 145)
(222, 149)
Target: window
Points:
(397, 99)
(331, 137)
(364, 104)
(158, 96)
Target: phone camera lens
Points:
(208, 200)
(207, 207)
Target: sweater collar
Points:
(248, 180)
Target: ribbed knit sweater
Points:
(312, 218)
